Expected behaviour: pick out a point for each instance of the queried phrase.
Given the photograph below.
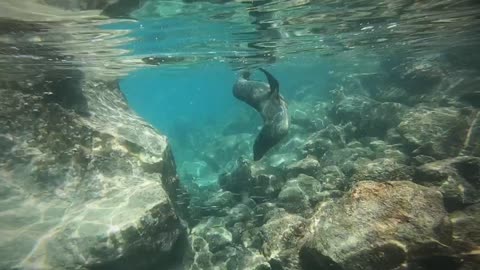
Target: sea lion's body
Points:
(266, 99)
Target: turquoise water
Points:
(126, 140)
(179, 103)
(184, 100)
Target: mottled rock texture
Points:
(370, 117)
(85, 183)
(378, 226)
(300, 194)
(457, 178)
(466, 235)
(381, 169)
(216, 244)
(283, 234)
(437, 132)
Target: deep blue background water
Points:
(203, 93)
(178, 100)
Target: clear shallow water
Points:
(176, 62)
(306, 44)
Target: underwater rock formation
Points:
(300, 194)
(466, 235)
(437, 132)
(309, 166)
(457, 178)
(283, 234)
(225, 243)
(370, 118)
(381, 169)
(378, 226)
(85, 182)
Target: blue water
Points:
(178, 101)
(200, 98)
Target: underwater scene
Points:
(240, 134)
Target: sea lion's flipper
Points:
(263, 143)
(274, 85)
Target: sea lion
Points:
(265, 99)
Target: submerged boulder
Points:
(436, 132)
(381, 169)
(309, 166)
(213, 247)
(378, 226)
(370, 117)
(258, 180)
(457, 178)
(466, 235)
(283, 235)
(239, 179)
(85, 182)
(300, 194)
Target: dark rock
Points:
(371, 118)
(283, 235)
(265, 187)
(242, 259)
(389, 225)
(301, 115)
(213, 249)
(466, 235)
(394, 137)
(384, 150)
(300, 194)
(332, 178)
(308, 166)
(262, 212)
(471, 145)
(213, 232)
(329, 138)
(65, 88)
(381, 169)
(457, 178)
(436, 132)
(238, 180)
(219, 203)
(461, 57)
(317, 146)
(253, 238)
(345, 158)
(239, 213)
(378, 146)
(354, 144)
(422, 159)
(417, 77)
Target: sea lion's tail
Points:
(274, 85)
